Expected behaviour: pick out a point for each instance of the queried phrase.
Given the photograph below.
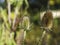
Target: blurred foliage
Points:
(30, 23)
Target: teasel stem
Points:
(9, 10)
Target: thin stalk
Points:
(9, 10)
(43, 35)
(20, 38)
(16, 13)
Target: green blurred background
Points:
(31, 9)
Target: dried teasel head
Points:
(47, 20)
